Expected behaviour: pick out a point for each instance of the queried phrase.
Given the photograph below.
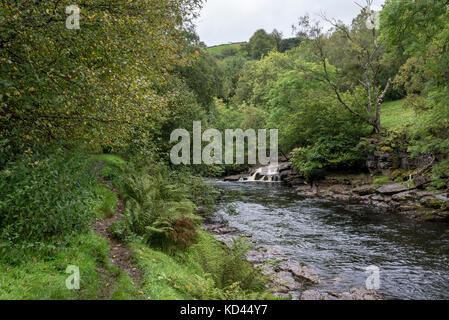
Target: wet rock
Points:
(357, 293)
(285, 166)
(219, 229)
(409, 206)
(435, 202)
(233, 178)
(312, 295)
(283, 282)
(421, 181)
(382, 205)
(393, 188)
(363, 190)
(301, 272)
(341, 197)
(307, 191)
(260, 256)
(403, 196)
(285, 174)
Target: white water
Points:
(265, 174)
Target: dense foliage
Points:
(44, 197)
(103, 84)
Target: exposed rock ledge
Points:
(391, 197)
(288, 279)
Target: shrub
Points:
(230, 268)
(44, 197)
(157, 206)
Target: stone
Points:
(392, 188)
(341, 197)
(285, 166)
(284, 174)
(301, 272)
(421, 181)
(233, 178)
(403, 196)
(357, 293)
(283, 282)
(312, 295)
(363, 190)
(435, 201)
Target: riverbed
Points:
(340, 242)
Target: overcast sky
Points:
(224, 21)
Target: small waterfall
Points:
(266, 174)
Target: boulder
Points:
(435, 202)
(421, 181)
(285, 166)
(285, 174)
(312, 295)
(233, 178)
(403, 196)
(283, 282)
(301, 272)
(363, 190)
(392, 188)
(357, 293)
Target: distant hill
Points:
(217, 50)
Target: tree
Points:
(363, 44)
(260, 44)
(100, 84)
(277, 35)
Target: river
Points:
(341, 243)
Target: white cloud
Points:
(224, 21)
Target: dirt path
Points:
(121, 256)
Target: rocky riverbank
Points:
(409, 198)
(401, 198)
(288, 279)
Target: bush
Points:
(230, 269)
(44, 197)
(157, 206)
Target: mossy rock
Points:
(399, 173)
(386, 149)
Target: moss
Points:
(381, 180)
(386, 149)
(397, 174)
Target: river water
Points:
(339, 243)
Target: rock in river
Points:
(300, 271)
(392, 188)
(233, 178)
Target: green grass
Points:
(381, 180)
(42, 275)
(107, 203)
(37, 271)
(180, 275)
(109, 159)
(217, 50)
(396, 115)
(176, 276)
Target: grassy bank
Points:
(34, 259)
(397, 115)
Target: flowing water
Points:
(341, 243)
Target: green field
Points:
(217, 50)
(396, 115)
